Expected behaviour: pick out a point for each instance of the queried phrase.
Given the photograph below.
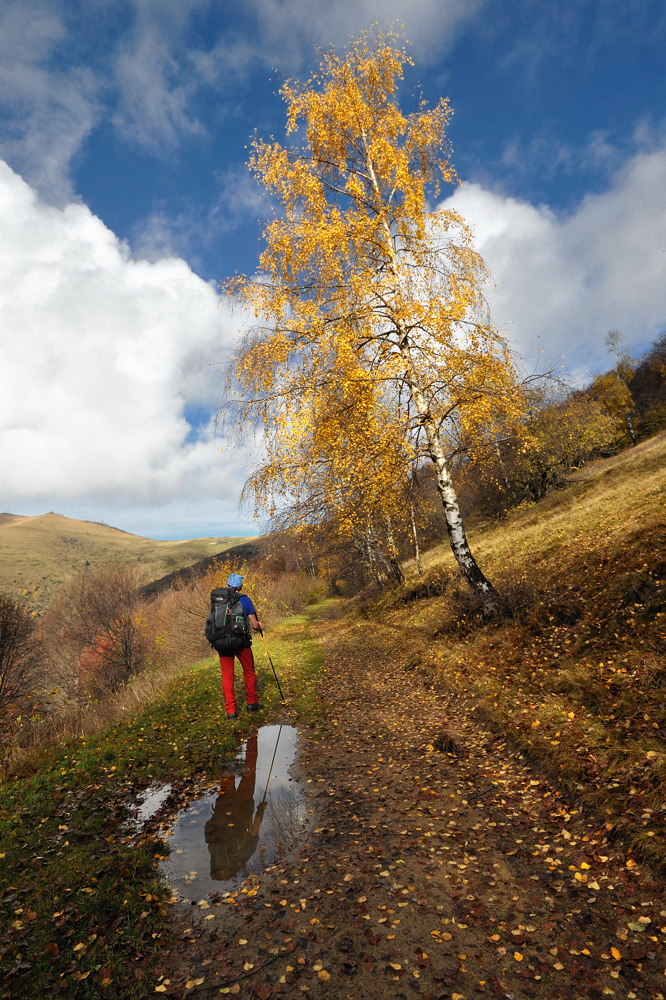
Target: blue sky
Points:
(124, 200)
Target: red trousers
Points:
(249, 677)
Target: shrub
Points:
(101, 637)
(20, 651)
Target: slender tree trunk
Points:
(380, 555)
(630, 426)
(371, 559)
(627, 417)
(454, 525)
(417, 553)
(393, 553)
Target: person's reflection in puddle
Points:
(232, 832)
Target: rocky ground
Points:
(438, 864)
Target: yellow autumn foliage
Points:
(370, 346)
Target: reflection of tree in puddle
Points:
(282, 827)
(257, 818)
(240, 836)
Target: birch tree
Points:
(364, 293)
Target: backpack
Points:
(227, 627)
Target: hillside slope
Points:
(38, 554)
(575, 672)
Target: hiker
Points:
(240, 612)
(232, 832)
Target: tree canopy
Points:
(371, 345)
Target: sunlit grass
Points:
(575, 673)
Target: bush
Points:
(20, 651)
(101, 636)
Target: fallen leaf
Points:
(617, 955)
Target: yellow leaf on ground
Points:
(617, 955)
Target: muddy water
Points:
(256, 817)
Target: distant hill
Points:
(38, 554)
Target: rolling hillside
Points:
(38, 554)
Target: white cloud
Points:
(50, 111)
(563, 281)
(288, 29)
(149, 77)
(155, 84)
(100, 355)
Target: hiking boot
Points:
(257, 707)
(232, 715)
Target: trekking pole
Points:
(261, 633)
(270, 770)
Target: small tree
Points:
(98, 623)
(612, 389)
(366, 296)
(648, 388)
(20, 651)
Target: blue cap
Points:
(235, 580)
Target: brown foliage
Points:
(20, 651)
(100, 637)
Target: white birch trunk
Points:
(454, 524)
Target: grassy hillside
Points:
(37, 554)
(575, 673)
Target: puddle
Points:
(256, 817)
(149, 801)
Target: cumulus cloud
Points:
(101, 357)
(562, 281)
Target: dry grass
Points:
(177, 617)
(575, 672)
(30, 743)
(38, 554)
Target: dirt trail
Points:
(427, 874)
